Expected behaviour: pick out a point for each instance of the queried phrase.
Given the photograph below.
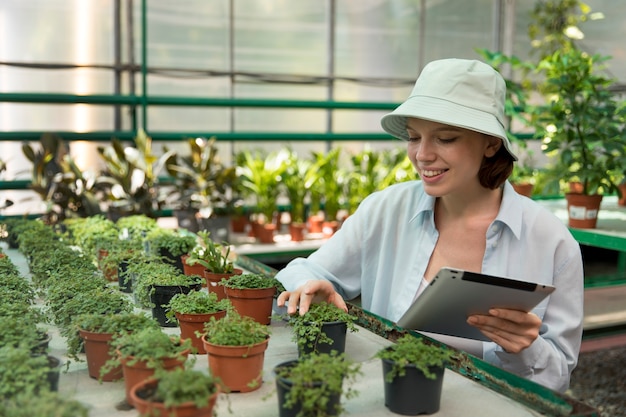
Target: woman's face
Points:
(447, 158)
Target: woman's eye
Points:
(447, 140)
(414, 139)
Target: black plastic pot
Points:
(413, 393)
(174, 260)
(54, 373)
(124, 281)
(161, 296)
(336, 331)
(283, 386)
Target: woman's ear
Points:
(493, 145)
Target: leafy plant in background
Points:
(213, 256)
(131, 176)
(298, 178)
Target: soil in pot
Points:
(141, 397)
(214, 279)
(253, 302)
(162, 295)
(413, 393)
(97, 352)
(240, 368)
(192, 323)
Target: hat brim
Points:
(446, 112)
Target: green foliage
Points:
(213, 256)
(331, 178)
(175, 242)
(180, 385)
(151, 345)
(201, 179)
(155, 272)
(251, 281)
(235, 330)
(298, 178)
(196, 302)
(21, 372)
(45, 404)
(411, 350)
(307, 328)
(315, 379)
(134, 227)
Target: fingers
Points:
(513, 330)
(313, 291)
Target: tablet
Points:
(454, 294)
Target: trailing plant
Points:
(155, 272)
(213, 256)
(411, 350)
(314, 380)
(113, 323)
(307, 328)
(181, 385)
(150, 345)
(170, 240)
(44, 404)
(21, 372)
(235, 330)
(244, 281)
(196, 302)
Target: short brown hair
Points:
(495, 170)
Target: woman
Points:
(461, 214)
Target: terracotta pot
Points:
(583, 210)
(240, 368)
(192, 270)
(622, 200)
(238, 224)
(296, 230)
(314, 224)
(252, 302)
(265, 232)
(192, 323)
(139, 371)
(142, 390)
(213, 280)
(97, 352)
(110, 272)
(523, 188)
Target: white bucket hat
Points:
(456, 92)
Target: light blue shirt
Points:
(381, 253)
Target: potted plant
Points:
(202, 184)
(252, 295)
(44, 404)
(131, 177)
(582, 127)
(313, 385)
(260, 176)
(141, 353)
(413, 372)
(236, 348)
(156, 283)
(170, 244)
(20, 371)
(322, 329)
(330, 186)
(179, 392)
(192, 311)
(298, 178)
(216, 261)
(96, 331)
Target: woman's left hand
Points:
(512, 329)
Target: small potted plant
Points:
(178, 392)
(193, 310)
(313, 385)
(20, 371)
(44, 404)
(216, 261)
(236, 348)
(413, 371)
(96, 331)
(170, 244)
(252, 295)
(322, 329)
(156, 283)
(141, 353)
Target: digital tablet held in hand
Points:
(454, 294)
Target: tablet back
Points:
(453, 295)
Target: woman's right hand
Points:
(313, 291)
